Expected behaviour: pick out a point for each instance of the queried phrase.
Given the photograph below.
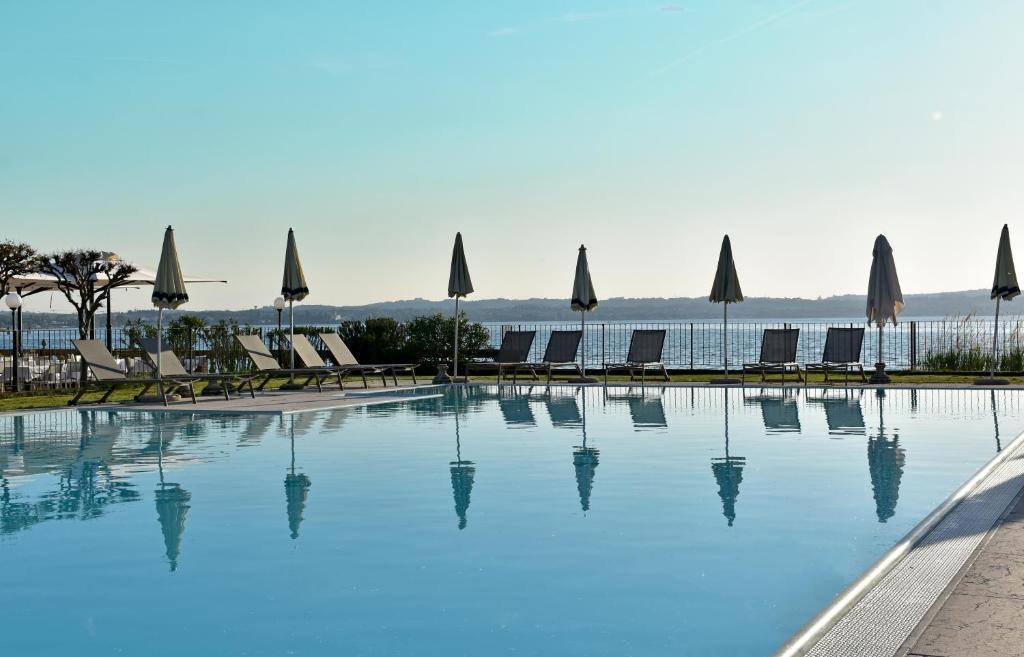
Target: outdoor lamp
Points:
(279, 304)
(13, 300)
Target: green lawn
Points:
(50, 399)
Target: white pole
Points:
(455, 361)
(160, 337)
(583, 341)
(291, 334)
(995, 334)
(725, 337)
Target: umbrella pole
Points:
(725, 338)
(995, 334)
(292, 384)
(583, 346)
(159, 343)
(455, 360)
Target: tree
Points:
(431, 338)
(85, 277)
(16, 259)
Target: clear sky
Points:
(646, 130)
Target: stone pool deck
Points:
(982, 612)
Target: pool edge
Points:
(804, 640)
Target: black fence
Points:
(46, 357)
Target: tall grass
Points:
(965, 345)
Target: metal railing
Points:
(46, 357)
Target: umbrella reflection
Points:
(584, 460)
(885, 461)
(296, 490)
(728, 472)
(462, 475)
(171, 508)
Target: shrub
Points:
(431, 338)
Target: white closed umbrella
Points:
(168, 291)
(584, 299)
(726, 290)
(885, 299)
(459, 285)
(1004, 286)
(293, 288)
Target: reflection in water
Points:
(646, 410)
(296, 490)
(79, 453)
(462, 475)
(171, 508)
(995, 421)
(515, 407)
(584, 460)
(728, 472)
(885, 462)
(779, 411)
(843, 415)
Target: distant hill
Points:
(849, 306)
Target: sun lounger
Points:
(645, 348)
(841, 354)
(310, 358)
(778, 354)
(511, 357)
(171, 365)
(269, 368)
(106, 373)
(559, 354)
(343, 357)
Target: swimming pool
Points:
(515, 520)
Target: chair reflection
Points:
(515, 407)
(646, 407)
(779, 410)
(843, 413)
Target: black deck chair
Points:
(778, 354)
(310, 358)
(343, 357)
(645, 349)
(107, 374)
(269, 368)
(841, 354)
(512, 356)
(560, 354)
(171, 365)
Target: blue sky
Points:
(645, 130)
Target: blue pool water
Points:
(692, 521)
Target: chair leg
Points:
(81, 391)
(107, 394)
(412, 371)
(394, 377)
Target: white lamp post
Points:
(279, 304)
(13, 301)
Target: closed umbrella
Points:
(585, 461)
(885, 299)
(168, 291)
(462, 473)
(728, 473)
(726, 290)
(172, 505)
(1004, 286)
(584, 299)
(293, 288)
(296, 490)
(459, 285)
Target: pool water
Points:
(486, 521)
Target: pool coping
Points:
(816, 636)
